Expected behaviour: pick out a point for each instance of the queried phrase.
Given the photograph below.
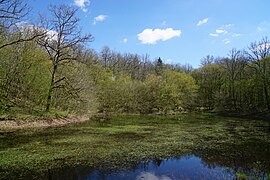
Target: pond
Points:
(141, 147)
(184, 167)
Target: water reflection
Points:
(151, 176)
(185, 167)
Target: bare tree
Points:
(259, 57)
(187, 68)
(105, 56)
(61, 43)
(234, 68)
(209, 59)
(12, 13)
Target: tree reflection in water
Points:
(213, 166)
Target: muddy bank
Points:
(15, 125)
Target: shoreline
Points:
(16, 125)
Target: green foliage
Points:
(241, 176)
(239, 83)
(173, 91)
(74, 78)
(209, 80)
(17, 113)
(147, 95)
(77, 90)
(24, 76)
(178, 91)
(115, 93)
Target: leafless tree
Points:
(234, 68)
(11, 11)
(259, 57)
(62, 40)
(209, 59)
(106, 56)
(187, 68)
(12, 14)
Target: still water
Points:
(185, 167)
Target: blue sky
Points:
(178, 31)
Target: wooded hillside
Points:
(48, 66)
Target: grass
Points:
(13, 113)
(128, 139)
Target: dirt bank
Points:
(14, 125)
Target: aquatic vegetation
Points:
(126, 140)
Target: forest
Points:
(68, 111)
(49, 67)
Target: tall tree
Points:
(209, 59)
(62, 40)
(209, 79)
(159, 66)
(24, 75)
(105, 56)
(234, 71)
(258, 55)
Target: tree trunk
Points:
(49, 97)
(266, 96)
(49, 100)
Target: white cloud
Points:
(151, 36)
(164, 23)
(151, 176)
(226, 26)
(213, 34)
(263, 26)
(100, 18)
(169, 61)
(82, 4)
(261, 47)
(125, 40)
(260, 29)
(202, 22)
(236, 35)
(221, 31)
(226, 41)
(25, 28)
(52, 35)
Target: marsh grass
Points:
(125, 140)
